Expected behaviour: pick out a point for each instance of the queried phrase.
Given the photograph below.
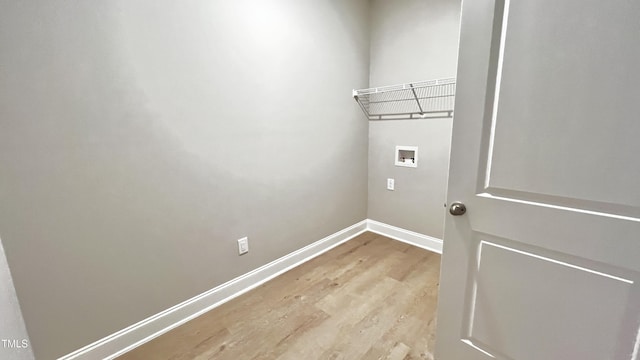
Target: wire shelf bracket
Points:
(418, 100)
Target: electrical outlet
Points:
(243, 246)
(391, 184)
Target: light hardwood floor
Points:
(370, 298)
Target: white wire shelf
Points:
(418, 100)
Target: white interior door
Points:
(545, 264)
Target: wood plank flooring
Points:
(370, 298)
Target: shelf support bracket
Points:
(415, 96)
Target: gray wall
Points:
(411, 40)
(140, 139)
(12, 326)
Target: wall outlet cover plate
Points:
(243, 246)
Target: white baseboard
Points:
(416, 239)
(137, 334)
